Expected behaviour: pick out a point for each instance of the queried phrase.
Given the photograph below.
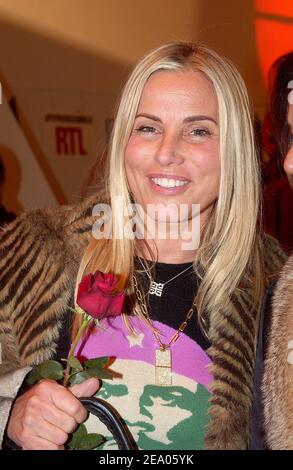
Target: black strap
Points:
(112, 420)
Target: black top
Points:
(176, 299)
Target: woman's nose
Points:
(169, 151)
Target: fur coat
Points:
(277, 384)
(39, 258)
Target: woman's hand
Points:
(43, 416)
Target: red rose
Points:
(97, 297)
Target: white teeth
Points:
(169, 183)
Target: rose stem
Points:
(82, 327)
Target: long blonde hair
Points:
(228, 255)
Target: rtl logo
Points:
(69, 141)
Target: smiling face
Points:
(288, 163)
(172, 156)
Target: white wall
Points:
(72, 56)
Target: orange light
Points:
(273, 39)
(273, 30)
(273, 7)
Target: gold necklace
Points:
(163, 354)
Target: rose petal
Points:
(95, 295)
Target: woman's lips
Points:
(168, 184)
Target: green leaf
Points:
(33, 377)
(79, 377)
(100, 373)
(77, 436)
(74, 363)
(50, 370)
(91, 441)
(99, 362)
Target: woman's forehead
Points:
(169, 79)
(179, 87)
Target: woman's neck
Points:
(172, 243)
(166, 251)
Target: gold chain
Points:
(146, 314)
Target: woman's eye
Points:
(145, 129)
(200, 132)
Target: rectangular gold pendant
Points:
(163, 367)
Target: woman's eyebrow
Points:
(200, 117)
(149, 116)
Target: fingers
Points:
(43, 416)
(66, 402)
(24, 432)
(51, 433)
(58, 418)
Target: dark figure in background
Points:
(275, 347)
(5, 216)
(278, 196)
(277, 384)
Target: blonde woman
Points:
(193, 264)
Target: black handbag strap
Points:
(110, 417)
